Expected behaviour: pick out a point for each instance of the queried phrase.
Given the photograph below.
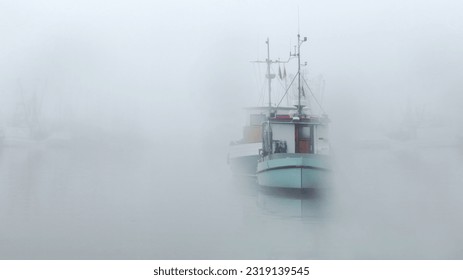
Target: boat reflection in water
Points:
(291, 203)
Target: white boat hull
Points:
(297, 171)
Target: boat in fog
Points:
(295, 152)
(295, 149)
(243, 154)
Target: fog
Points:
(116, 119)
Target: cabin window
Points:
(304, 139)
(305, 132)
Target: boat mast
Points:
(299, 89)
(269, 77)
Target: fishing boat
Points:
(295, 148)
(243, 154)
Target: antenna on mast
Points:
(298, 55)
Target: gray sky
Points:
(103, 59)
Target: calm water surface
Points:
(111, 196)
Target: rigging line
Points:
(286, 91)
(322, 89)
(313, 95)
(281, 84)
